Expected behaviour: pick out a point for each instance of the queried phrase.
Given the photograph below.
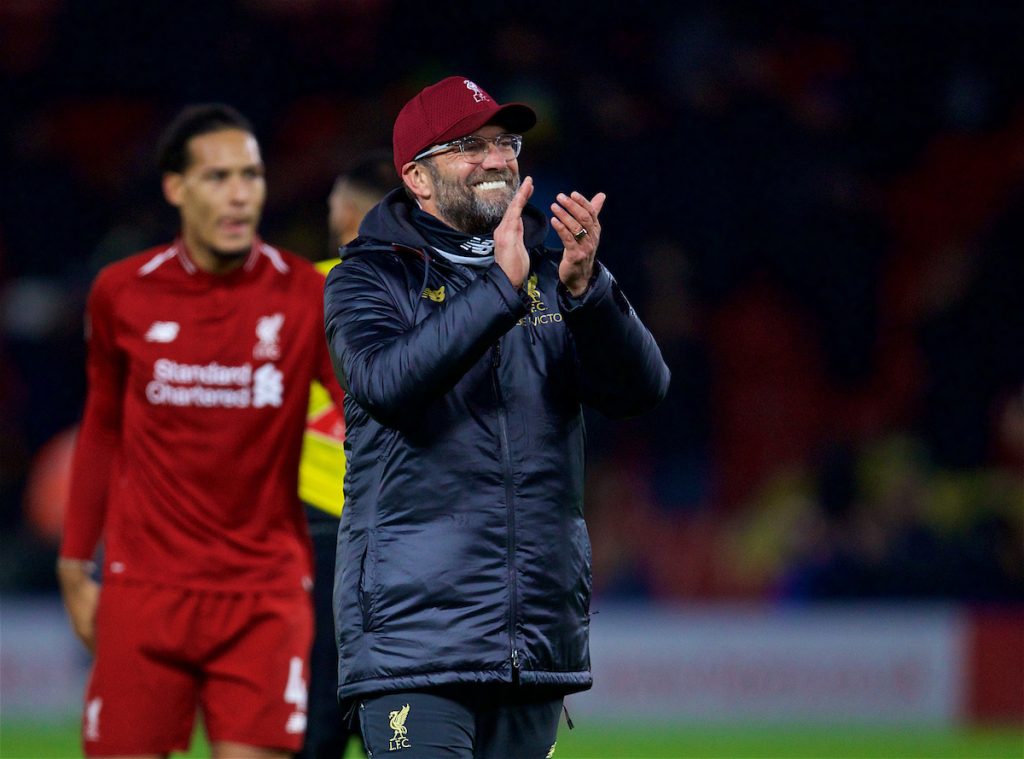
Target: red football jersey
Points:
(188, 454)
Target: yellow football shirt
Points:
(322, 467)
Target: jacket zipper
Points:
(509, 510)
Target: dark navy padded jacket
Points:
(463, 556)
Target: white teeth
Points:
(491, 185)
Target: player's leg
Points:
(327, 731)
(419, 724)
(254, 693)
(231, 750)
(141, 697)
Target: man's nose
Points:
(493, 159)
(239, 190)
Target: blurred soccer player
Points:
(322, 474)
(355, 192)
(200, 357)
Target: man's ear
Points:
(174, 187)
(418, 181)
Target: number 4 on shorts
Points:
(295, 690)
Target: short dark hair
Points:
(192, 121)
(373, 174)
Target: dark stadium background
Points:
(818, 207)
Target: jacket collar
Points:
(391, 222)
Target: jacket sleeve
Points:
(621, 370)
(392, 367)
(99, 438)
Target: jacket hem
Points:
(566, 682)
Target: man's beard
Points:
(228, 256)
(467, 211)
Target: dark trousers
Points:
(471, 722)
(327, 730)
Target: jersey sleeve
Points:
(100, 435)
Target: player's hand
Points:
(509, 249)
(575, 221)
(81, 597)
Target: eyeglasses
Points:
(474, 148)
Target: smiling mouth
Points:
(498, 184)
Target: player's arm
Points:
(99, 439)
(81, 594)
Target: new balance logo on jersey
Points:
(268, 328)
(162, 332)
(92, 719)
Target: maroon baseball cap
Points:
(452, 108)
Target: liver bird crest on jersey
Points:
(268, 329)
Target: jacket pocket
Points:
(385, 455)
(367, 583)
(589, 580)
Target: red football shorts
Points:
(242, 659)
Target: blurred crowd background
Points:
(817, 206)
